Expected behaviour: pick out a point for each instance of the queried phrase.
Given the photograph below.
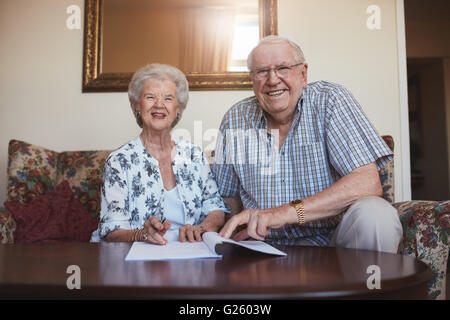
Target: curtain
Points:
(206, 37)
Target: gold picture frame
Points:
(94, 80)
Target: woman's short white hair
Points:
(273, 39)
(158, 71)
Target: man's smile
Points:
(276, 92)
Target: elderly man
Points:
(298, 163)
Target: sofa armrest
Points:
(426, 230)
(7, 226)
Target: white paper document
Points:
(175, 249)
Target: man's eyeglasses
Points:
(280, 71)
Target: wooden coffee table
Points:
(40, 271)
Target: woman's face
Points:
(158, 104)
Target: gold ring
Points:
(144, 236)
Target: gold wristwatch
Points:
(298, 206)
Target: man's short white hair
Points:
(273, 39)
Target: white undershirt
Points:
(173, 209)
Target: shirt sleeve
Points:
(352, 141)
(211, 198)
(114, 213)
(222, 167)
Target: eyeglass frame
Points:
(275, 70)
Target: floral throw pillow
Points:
(426, 227)
(31, 171)
(84, 172)
(7, 226)
(387, 174)
(55, 216)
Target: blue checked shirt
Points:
(330, 137)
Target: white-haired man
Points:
(298, 163)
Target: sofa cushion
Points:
(387, 181)
(55, 216)
(7, 226)
(84, 172)
(387, 174)
(34, 171)
(31, 171)
(426, 236)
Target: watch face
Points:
(297, 201)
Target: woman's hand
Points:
(153, 231)
(213, 221)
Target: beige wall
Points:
(40, 92)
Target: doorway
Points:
(427, 25)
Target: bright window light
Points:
(245, 39)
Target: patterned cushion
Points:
(7, 226)
(34, 171)
(426, 232)
(84, 171)
(387, 174)
(52, 217)
(31, 171)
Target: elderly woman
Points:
(154, 183)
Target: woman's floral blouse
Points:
(133, 189)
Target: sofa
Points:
(35, 172)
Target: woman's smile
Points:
(158, 115)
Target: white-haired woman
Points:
(154, 183)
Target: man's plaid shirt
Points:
(330, 137)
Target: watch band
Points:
(300, 214)
(298, 206)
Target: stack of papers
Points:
(175, 249)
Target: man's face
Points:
(277, 93)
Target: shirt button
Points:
(283, 180)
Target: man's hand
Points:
(259, 222)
